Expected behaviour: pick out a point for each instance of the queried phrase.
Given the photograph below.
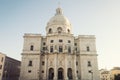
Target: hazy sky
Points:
(88, 17)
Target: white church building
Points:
(59, 55)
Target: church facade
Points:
(59, 55)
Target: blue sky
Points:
(88, 17)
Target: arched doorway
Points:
(60, 74)
(51, 74)
(69, 73)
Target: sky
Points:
(88, 17)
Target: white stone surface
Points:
(76, 61)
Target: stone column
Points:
(75, 73)
(39, 68)
(55, 66)
(46, 67)
(66, 67)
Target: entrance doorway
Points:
(60, 74)
(51, 74)
(69, 73)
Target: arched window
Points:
(59, 29)
(30, 63)
(60, 74)
(50, 30)
(68, 31)
(51, 48)
(60, 49)
(88, 48)
(31, 47)
(69, 73)
(51, 74)
(69, 49)
(89, 64)
(76, 63)
(43, 63)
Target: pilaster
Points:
(55, 68)
(46, 67)
(66, 67)
(75, 69)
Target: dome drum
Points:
(58, 29)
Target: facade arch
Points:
(69, 73)
(59, 29)
(51, 73)
(60, 74)
(68, 30)
(50, 31)
(31, 47)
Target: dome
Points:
(59, 18)
(58, 24)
